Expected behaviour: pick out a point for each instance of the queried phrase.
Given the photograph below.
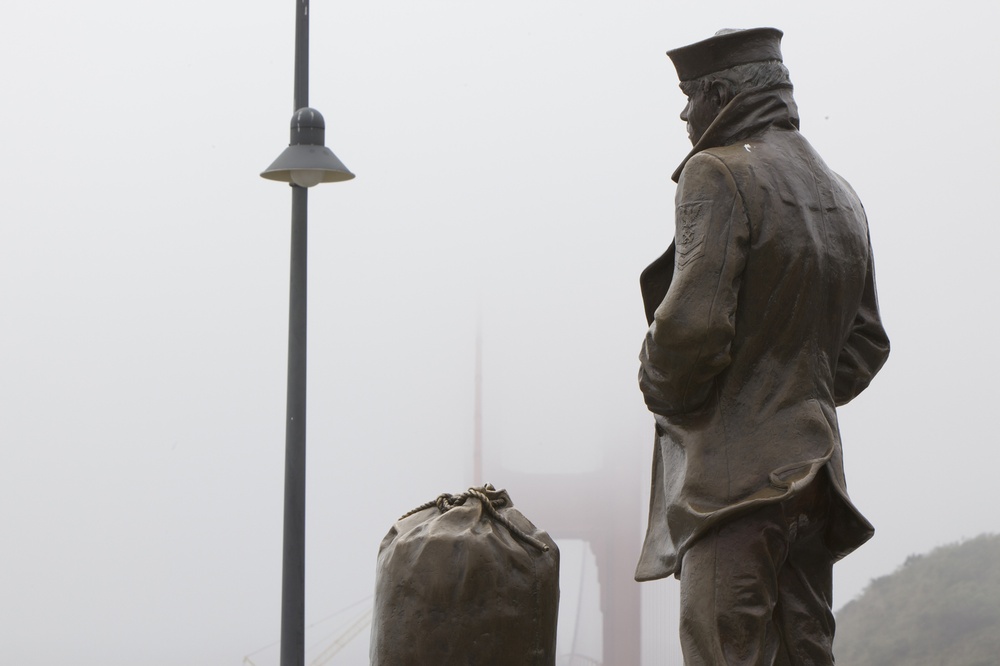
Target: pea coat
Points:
(763, 319)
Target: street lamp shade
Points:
(307, 161)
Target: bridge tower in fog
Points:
(595, 507)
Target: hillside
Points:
(939, 609)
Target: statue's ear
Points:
(718, 95)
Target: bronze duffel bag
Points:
(466, 580)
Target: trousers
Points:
(758, 590)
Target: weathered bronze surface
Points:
(466, 579)
(763, 319)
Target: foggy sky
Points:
(513, 166)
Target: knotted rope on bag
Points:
(446, 501)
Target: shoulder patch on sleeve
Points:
(690, 236)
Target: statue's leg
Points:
(729, 589)
(804, 614)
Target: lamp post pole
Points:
(306, 162)
(293, 560)
(293, 563)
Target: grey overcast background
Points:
(513, 165)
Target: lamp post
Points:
(306, 162)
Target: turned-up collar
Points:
(747, 114)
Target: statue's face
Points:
(701, 109)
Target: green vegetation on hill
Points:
(939, 609)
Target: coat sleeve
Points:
(689, 340)
(867, 345)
